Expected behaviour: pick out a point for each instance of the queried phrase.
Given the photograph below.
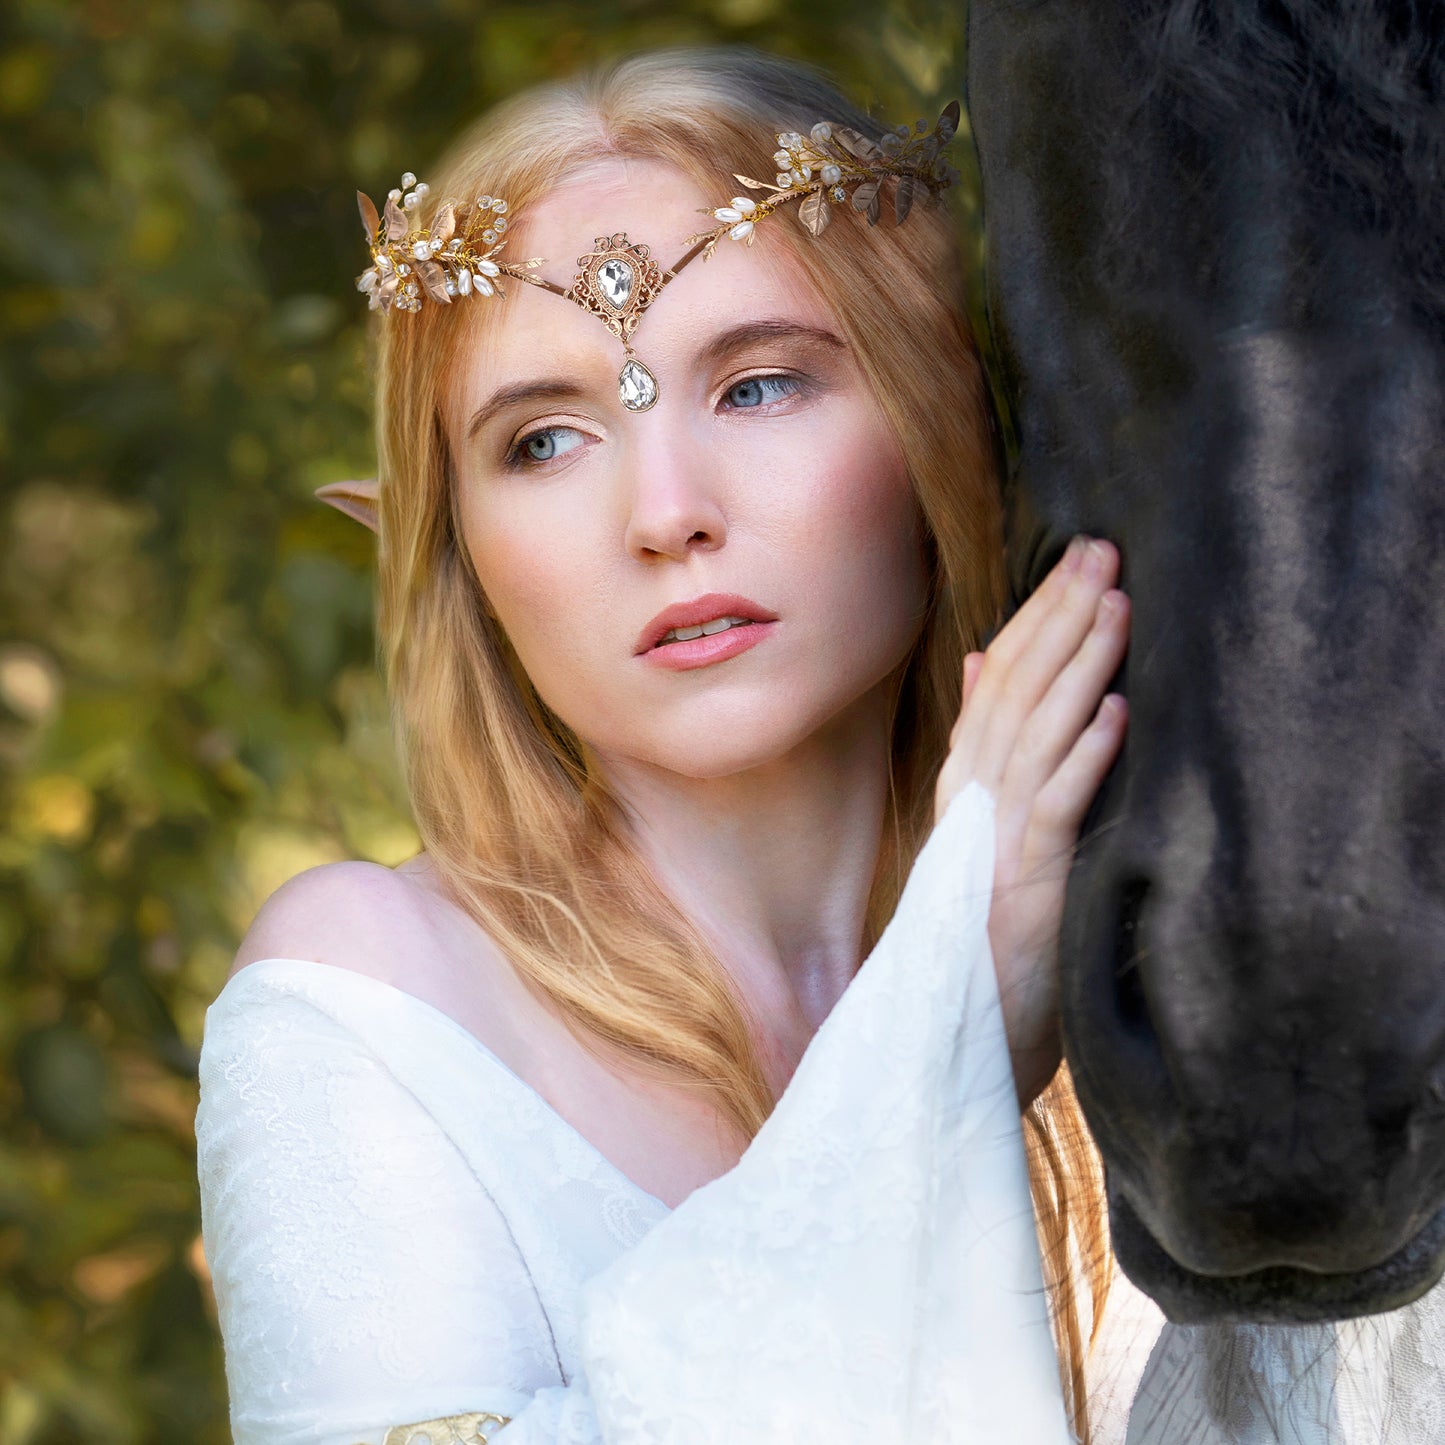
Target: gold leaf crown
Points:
(454, 254)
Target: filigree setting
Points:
(617, 281)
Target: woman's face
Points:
(765, 472)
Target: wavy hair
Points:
(519, 825)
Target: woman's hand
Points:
(1034, 732)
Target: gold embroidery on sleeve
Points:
(473, 1429)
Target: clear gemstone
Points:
(614, 279)
(636, 386)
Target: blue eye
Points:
(757, 390)
(546, 445)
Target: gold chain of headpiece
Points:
(455, 254)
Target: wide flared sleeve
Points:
(867, 1272)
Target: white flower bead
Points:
(464, 282)
(484, 203)
(422, 189)
(782, 158)
(500, 223)
(747, 207)
(421, 250)
(499, 206)
(728, 213)
(489, 268)
(482, 286)
(831, 175)
(367, 281)
(822, 132)
(783, 179)
(741, 231)
(408, 181)
(393, 194)
(409, 201)
(802, 175)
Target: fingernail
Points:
(1096, 559)
(1073, 554)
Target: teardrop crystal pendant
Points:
(614, 280)
(636, 386)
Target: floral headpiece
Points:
(455, 254)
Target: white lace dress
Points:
(400, 1229)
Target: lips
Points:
(707, 608)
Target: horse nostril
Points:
(1130, 1002)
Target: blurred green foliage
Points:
(189, 707)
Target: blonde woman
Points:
(666, 1095)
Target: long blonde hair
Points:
(522, 830)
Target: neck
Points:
(774, 863)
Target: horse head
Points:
(1216, 239)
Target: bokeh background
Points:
(190, 710)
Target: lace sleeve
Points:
(867, 1272)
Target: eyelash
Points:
(517, 460)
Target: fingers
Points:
(1071, 699)
(1062, 802)
(1028, 655)
(972, 666)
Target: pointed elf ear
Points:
(356, 499)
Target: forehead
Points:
(662, 208)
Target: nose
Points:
(673, 503)
(1262, 1069)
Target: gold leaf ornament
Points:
(370, 221)
(815, 213)
(857, 143)
(865, 198)
(903, 199)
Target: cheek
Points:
(536, 581)
(867, 517)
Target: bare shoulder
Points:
(356, 915)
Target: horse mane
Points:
(1348, 97)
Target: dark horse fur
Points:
(1216, 238)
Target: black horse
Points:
(1216, 237)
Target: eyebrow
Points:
(555, 389)
(736, 338)
(723, 345)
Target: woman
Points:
(505, 1130)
